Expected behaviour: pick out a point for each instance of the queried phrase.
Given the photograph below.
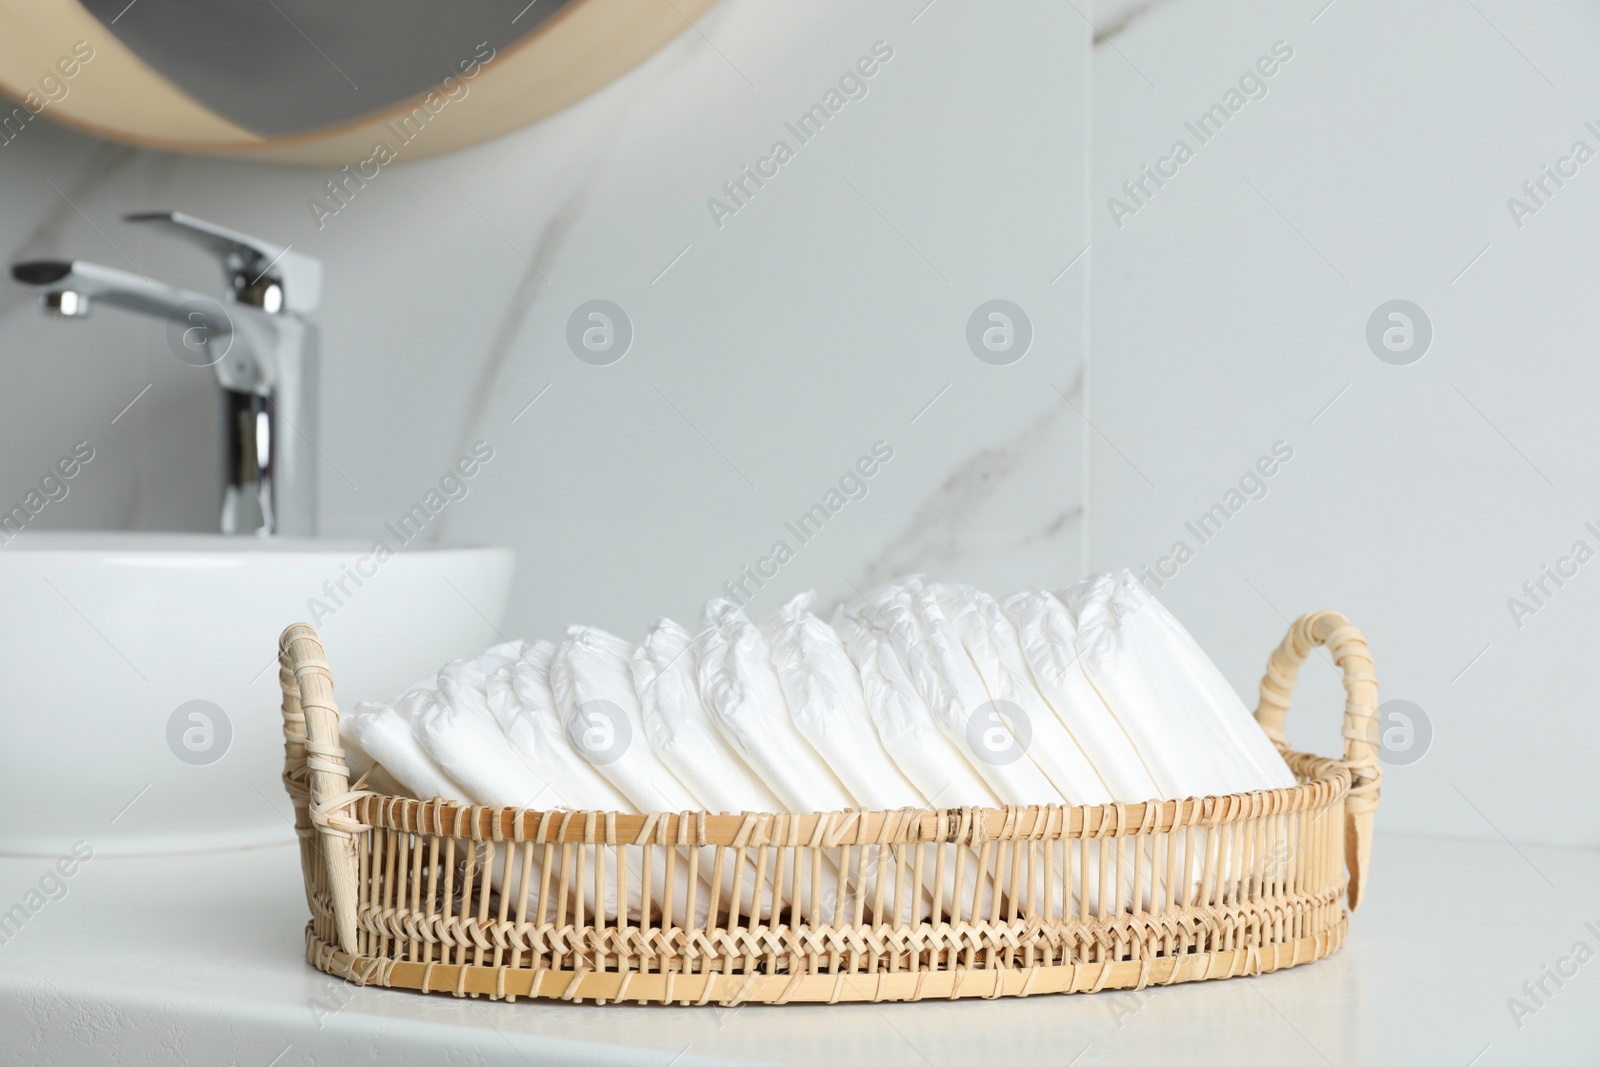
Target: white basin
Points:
(107, 639)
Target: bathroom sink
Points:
(139, 679)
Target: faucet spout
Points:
(94, 284)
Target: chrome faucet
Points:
(262, 347)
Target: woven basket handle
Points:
(316, 756)
(1350, 654)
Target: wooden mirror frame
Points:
(116, 95)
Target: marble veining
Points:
(941, 531)
(1111, 19)
(533, 281)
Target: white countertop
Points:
(199, 960)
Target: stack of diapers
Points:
(919, 695)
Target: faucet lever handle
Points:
(255, 267)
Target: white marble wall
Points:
(1230, 312)
(771, 352)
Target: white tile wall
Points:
(1230, 312)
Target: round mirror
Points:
(303, 81)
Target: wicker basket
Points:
(427, 894)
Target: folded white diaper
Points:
(1125, 654)
(364, 769)
(993, 646)
(463, 736)
(473, 750)
(1049, 640)
(938, 664)
(905, 724)
(390, 739)
(462, 681)
(827, 702)
(1263, 757)
(916, 744)
(680, 729)
(520, 699)
(746, 700)
(592, 679)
